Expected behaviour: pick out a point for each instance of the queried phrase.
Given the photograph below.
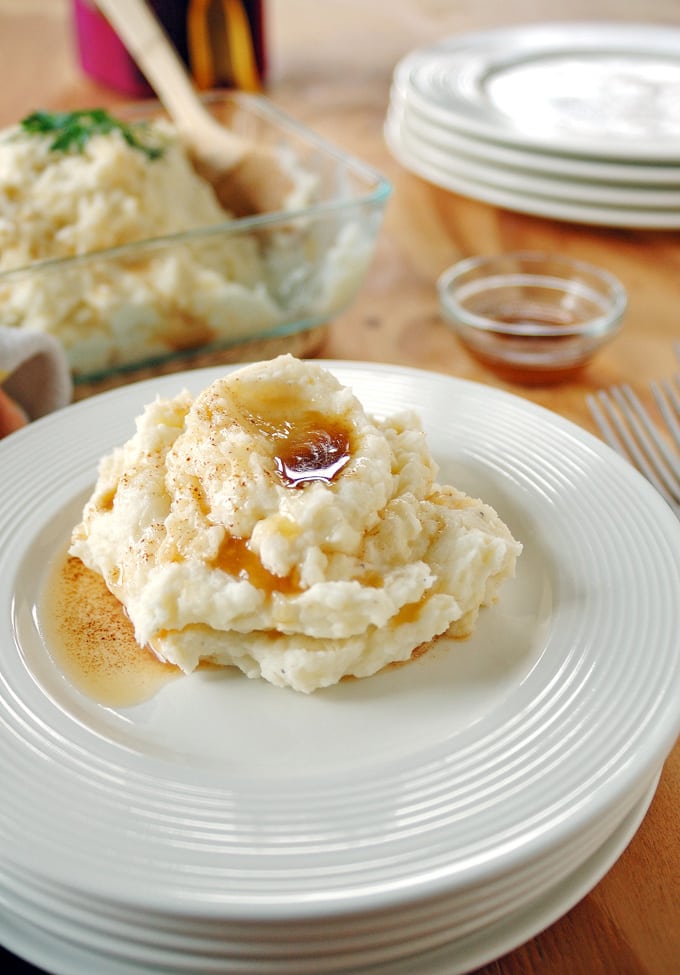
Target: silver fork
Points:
(627, 426)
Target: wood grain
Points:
(331, 66)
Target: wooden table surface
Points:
(330, 66)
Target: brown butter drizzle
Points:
(92, 640)
(306, 444)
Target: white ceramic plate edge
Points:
(527, 202)
(484, 946)
(498, 46)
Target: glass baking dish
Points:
(191, 298)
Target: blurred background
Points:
(302, 50)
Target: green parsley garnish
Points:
(72, 130)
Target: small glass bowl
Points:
(532, 318)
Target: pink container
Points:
(105, 58)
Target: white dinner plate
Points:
(600, 90)
(496, 190)
(64, 957)
(234, 819)
(604, 172)
(521, 170)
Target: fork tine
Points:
(654, 446)
(631, 440)
(633, 435)
(657, 449)
(668, 402)
(603, 423)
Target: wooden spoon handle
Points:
(148, 43)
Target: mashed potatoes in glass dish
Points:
(112, 242)
(272, 525)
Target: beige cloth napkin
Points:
(34, 371)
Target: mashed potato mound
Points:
(273, 525)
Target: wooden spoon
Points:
(247, 179)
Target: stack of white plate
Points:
(426, 819)
(574, 121)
